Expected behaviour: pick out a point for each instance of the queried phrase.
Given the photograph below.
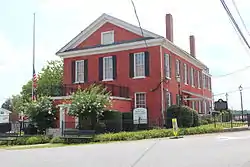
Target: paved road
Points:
(216, 150)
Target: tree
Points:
(8, 104)
(13, 103)
(17, 102)
(41, 112)
(89, 103)
(49, 81)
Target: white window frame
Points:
(145, 102)
(204, 81)
(168, 99)
(185, 74)
(199, 79)
(108, 32)
(178, 69)
(192, 76)
(143, 65)
(167, 65)
(208, 83)
(77, 80)
(106, 77)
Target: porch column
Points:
(76, 122)
(63, 110)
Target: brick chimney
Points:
(169, 27)
(192, 45)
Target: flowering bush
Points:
(89, 103)
(41, 112)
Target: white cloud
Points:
(217, 44)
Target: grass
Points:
(23, 147)
(138, 135)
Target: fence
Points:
(226, 120)
(105, 126)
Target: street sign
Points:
(220, 105)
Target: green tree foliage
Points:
(8, 104)
(49, 81)
(41, 112)
(17, 102)
(89, 103)
(13, 103)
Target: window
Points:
(185, 74)
(107, 68)
(199, 109)
(140, 100)
(79, 75)
(168, 99)
(193, 105)
(198, 81)
(107, 37)
(1, 112)
(209, 83)
(177, 70)
(192, 76)
(167, 65)
(204, 81)
(139, 64)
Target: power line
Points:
(231, 73)
(237, 9)
(234, 22)
(232, 91)
(239, 34)
(137, 17)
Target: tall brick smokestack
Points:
(192, 45)
(169, 27)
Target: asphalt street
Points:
(214, 150)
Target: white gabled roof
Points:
(5, 111)
(104, 18)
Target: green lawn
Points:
(138, 135)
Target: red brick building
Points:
(141, 71)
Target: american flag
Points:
(34, 85)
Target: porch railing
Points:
(67, 89)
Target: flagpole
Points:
(33, 63)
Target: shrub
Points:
(155, 133)
(127, 121)
(225, 116)
(204, 122)
(112, 120)
(186, 117)
(34, 140)
(195, 118)
(29, 140)
(56, 140)
(206, 119)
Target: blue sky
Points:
(58, 21)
